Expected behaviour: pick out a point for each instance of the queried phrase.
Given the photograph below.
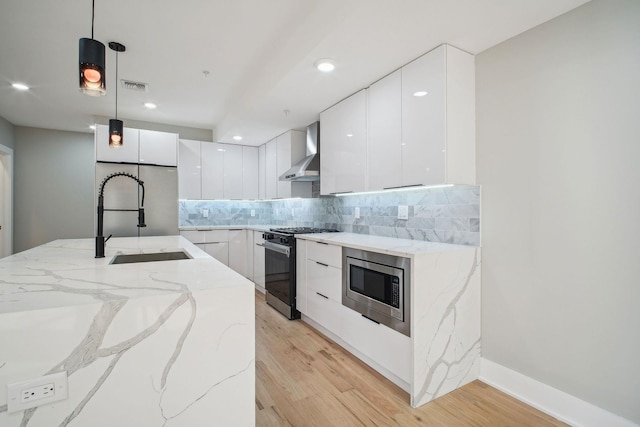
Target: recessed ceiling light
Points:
(92, 127)
(222, 150)
(150, 105)
(420, 93)
(237, 138)
(349, 135)
(325, 65)
(20, 86)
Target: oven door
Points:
(279, 266)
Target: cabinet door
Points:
(384, 133)
(258, 259)
(423, 120)
(212, 158)
(189, 177)
(283, 164)
(262, 163)
(343, 152)
(250, 171)
(158, 148)
(232, 181)
(238, 251)
(218, 250)
(271, 183)
(301, 275)
(127, 153)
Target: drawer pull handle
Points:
(323, 264)
(323, 296)
(322, 243)
(369, 318)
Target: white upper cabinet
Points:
(212, 163)
(232, 182)
(250, 172)
(344, 145)
(438, 118)
(189, 170)
(262, 164)
(138, 146)
(127, 153)
(271, 169)
(158, 148)
(423, 120)
(384, 133)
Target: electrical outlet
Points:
(205, 213)
(403, 212)
(357, 212)
(253, 212)
(37, 391)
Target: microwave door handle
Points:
(285, 250)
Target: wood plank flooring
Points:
(305, 379)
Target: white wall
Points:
(558, 152)
(53, 186)
(6, 133)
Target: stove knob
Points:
(283, 240)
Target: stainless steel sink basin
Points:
(151, 257)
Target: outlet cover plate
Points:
(18, 399)
(403, 212)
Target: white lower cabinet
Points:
(325, 280)
(385, 346)
(218, 250)
(258, 259)
(301, 275)
(238, 251)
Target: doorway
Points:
(6, 200)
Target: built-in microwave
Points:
(378, 287)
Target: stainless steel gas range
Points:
(280, 267)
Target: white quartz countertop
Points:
(65, 273)
(388, 245)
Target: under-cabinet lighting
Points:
(391, 190)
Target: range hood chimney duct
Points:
(307, 169)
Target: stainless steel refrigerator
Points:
(124, 195)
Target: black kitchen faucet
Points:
(100, 240)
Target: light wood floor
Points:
(305, 379)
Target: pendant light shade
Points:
(116, 129)
(92, 76)
(91, 60)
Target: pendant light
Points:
(91, 54)
(116, 138)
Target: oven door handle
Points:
(285, 250)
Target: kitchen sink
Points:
(150, 257)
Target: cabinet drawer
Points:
(324, 253)
(194, 236)
(324, 311)
(385, 346)
(324, 279)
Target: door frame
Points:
(6, 161)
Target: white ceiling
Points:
(259, 53)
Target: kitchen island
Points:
(168, 343)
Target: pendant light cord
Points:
(116, 84)
(93, 15)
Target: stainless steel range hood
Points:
(307, 169)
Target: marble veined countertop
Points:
(65, 273)
(388, 245)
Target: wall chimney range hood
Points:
(307, 169)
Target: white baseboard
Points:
(558, 404)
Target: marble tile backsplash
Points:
(447, 215)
